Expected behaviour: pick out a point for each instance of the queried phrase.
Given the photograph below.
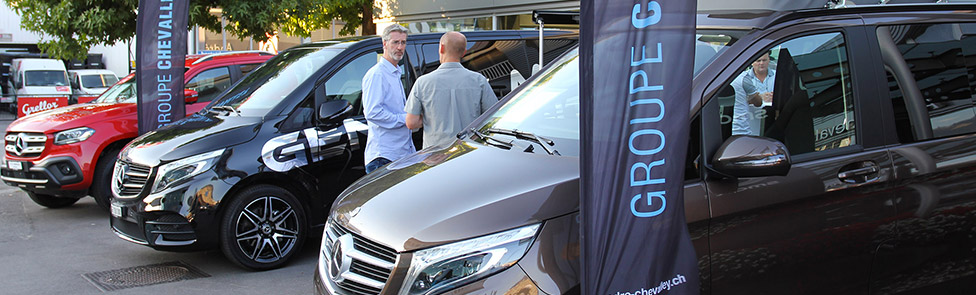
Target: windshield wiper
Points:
(489, 140)
(542, 141)
(227, 108)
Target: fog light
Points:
(66, 169)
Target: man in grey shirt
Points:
(448, 99)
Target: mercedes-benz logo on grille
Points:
(20, 145)
(339, 260)
(120, 175)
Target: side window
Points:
(798, 92)
(247, 68)
(937, 59)
(347, 83)
(208, 84)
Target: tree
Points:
(70, 27)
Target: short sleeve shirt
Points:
(449, 99)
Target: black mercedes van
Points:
(862, 180)
(258, 168)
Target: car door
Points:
(812, 230)
(208, 84)
(930, 89)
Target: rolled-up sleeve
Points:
(488, 97)
(374, 103)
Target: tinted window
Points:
(938, 57)
(208, 84)
(45, 78)
(805, 100)
(499, 60)
(248, 68)
(98, 81)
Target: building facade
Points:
(467, 15)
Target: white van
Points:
(39, 83)
(90, 83)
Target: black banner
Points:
(161, 36)
(637, 59)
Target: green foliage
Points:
(70, 27)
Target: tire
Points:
(51, 201)
(101, 187)
(259, 239)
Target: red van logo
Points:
(30, 105)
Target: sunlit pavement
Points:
(49, 251)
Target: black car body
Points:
(868, 189)
(259, 167)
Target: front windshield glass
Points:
(45, 78)
(98, 81)
(121, 93)
(269, 84)
(550, 107)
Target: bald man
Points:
(446, 100)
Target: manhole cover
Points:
(145, 275)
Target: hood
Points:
(196, 134)
(465, 191)
(72, 116)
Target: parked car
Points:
(256, 171)
(869, 187)
(88, 84)
(61, 155)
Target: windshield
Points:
(98, 81)
(549, 105)
(269, 84)
(45, 78)
(122, 93)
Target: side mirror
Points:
(20, 84)
(334, 111)
(752, 156)
(190, 96)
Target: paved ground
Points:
(47, 251)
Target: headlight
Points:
(185, 168)
(73, 135)
(445, 267)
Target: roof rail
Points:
(210, 56)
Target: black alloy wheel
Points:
(51, 201)
(263, 228)
(101, 187)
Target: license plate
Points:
(15, 165)
(117, 210)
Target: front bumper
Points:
(46, 177)
(510, 281)
(182, 218)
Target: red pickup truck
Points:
(61, 155)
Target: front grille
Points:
(23, 144)
(371, 265)
(129, 179)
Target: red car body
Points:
(59, 174)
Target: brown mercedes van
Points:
(858, 180)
